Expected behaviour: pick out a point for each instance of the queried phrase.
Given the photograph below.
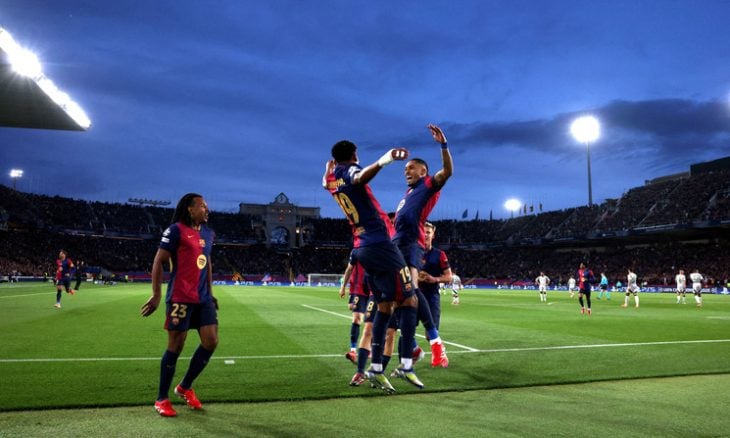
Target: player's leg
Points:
(175, 343)
(626, 298)
(204, 318)
(587, 294)
(636, 297)
(679, 295)
(454, 296)
(58, 296)
(580, 301)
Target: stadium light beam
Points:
(15, 174)
(513, 205)
(586, 130)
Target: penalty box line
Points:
(324, 356)
(453, 344)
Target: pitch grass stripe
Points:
(453, 344)
(321, 356)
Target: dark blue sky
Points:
(242, 100)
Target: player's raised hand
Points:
(437, 133)
(150, 306)
(395, 154)
(329, 166)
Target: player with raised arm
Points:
(423, 192)
(190, 304)
(697, 280)
(456, 286)
(348, 182)
(542, 281)
(681, 281)
(631, 289)
(585, 278)
(64, 268)
(355, 277)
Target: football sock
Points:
(424, 312)
(588, 301)
(197, 364)
(580, 300)
(167, 372)
(354, 335)
(386, 360)
(408, 323)
(362, 359)
(636, 300)
(380, 325)
(58, 297)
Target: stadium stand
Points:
(675, 222)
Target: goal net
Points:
(324, 280)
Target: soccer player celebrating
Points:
(631, 288)
(410, 217)
(681, 281)
(697, 280)
(355, 277)
(542, 282)
(187, 244)
(64, 267)
(372, 247)
(585, 278)
(435, 270)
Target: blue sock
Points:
(380, 326)
(408, 323)
(424, 313)
(167, 372)
(58, 297)
(354, 334)
(197, 364)
(386, 360)
(362, 359)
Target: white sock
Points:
(435, 341)
(636, 298)
(407, 363)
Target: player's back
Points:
(370, 224)
(696, 277)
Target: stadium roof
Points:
(31, 100)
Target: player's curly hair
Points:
(420, 161)
(181, 213)
(343, 151)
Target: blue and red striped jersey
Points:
(370, 224)
(190, 251)
(413, 210)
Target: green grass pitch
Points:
(518, 366)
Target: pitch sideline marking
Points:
(420, 336)
(321, 356)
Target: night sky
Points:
(241, 100)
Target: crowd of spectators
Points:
(124, 237)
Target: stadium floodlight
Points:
(513, 205)
(15, 174)
(586, 130)
(25, 63)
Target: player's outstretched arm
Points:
(162, 257)
(447, 170)
(368, 173)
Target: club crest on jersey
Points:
(400, 205)
(175, 321)
(201, 242)
(202, 261)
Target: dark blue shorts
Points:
(370, 310)
(184, 316)
(65, 282)
(412, 253)
(390, 278)
(359, 302)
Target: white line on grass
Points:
(420, 336)
(320, 356)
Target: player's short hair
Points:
(420, 161)
(181, 213)
(64, 252)
(343, 150)
(428, 224)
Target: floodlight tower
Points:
(15, 174)
(586, 130)
(513, 205)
